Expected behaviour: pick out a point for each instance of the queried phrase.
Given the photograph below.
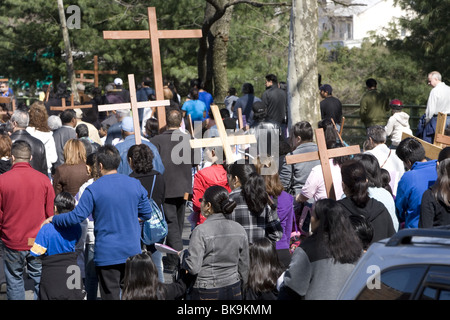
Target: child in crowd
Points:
(397, 123)
(57, 248)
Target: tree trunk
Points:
(303, 91)
(68, 50)
(220, 31)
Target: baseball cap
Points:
(258, 107)
(127, 124)
(326, 88)
(396, 104)
(118, 81)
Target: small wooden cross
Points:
(71, 106)
(223, 140)
(154, 35)
(95, 72)
(324, 156)
(134, 106)
(440, 139)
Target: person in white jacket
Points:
(397, 123)
(38, 128)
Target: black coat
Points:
(178, 172)
(38, 160)
(433, 213)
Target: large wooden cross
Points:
(223, 140)
(95, 72)
(432, 150)
(71, 106)
(324, 155)
(134, 106)
(154, 35)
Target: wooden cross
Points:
(95, 72)
(71, 106)
(134, 106)
(432, 150)
(324, 156)
(223, 140)
(154, 35)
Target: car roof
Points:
(406, 247)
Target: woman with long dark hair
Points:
(218, 251)
(324, 260)
(355, 184)
(253, 210)
(435, 206)
(264, 271)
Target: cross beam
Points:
(71, 106)
(134, 106)
(95, 72)
(324, 156)
(223, 141)
(154, 35)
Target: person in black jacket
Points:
(274, 99)
(357, 201)
(435, 206)
(19, 121)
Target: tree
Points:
(303, 97)
(429, 39)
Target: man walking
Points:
(274, 98)
(374, 105)
(26, 200)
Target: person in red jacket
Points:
(214, 175)
(26, 200)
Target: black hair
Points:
(372, 166)
(370, 83)
(303, 129)
(218, 197)
(64, 202)
(385, 178)
(441, 189)
(337, 232)
(410, 150)
(193, 93)
(21, 149)
(67, 115)
(141, 158)
(363, 228)
(247, 88)
(252, 184)
(109, 157)
(272, 77)
(444, 154)
(354, 176)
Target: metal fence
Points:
(354, 131)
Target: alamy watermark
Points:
(74, 20)
(374, 280)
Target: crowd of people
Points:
(260, 229)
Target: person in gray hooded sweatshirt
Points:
(397, 123)
(323, 261)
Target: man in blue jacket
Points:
(116, 202)
(419, 176)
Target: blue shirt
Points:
(207, 98)
(52, 240)
(195, 108)
(126, 144)
(116, 202)
(410, 189)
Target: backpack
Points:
(154, 229)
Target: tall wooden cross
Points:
(71, 106)
(95, 72)
(223, 140)
(134, 106)
(324, 156)
(154, 35)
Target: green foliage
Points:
(399, 76)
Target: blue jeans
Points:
(91, 279)
(15, 262)
(157, 260)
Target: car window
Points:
(395, 284)
(437, 284)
